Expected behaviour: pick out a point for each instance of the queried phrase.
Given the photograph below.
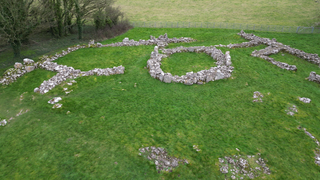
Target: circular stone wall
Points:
(222, 71)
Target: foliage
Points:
(17, 20)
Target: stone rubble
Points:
(196, 148)
(292, 109)
(305, 100)
(159, 156)
(222, 71)
(257, 96)
(58, 105)
(54, 100)
(238, 167)
(314, 77)
(3, 122)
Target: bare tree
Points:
(18, 18)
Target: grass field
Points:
(274, 12)
(108, 125)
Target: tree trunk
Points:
(80, 28)
(16, 45)
(79, 18)
(58, 13)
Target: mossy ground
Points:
(110, 121)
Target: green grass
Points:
(108, 124)
(180, 63)
(275, 12)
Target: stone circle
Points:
(222, 71)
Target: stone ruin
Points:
(238, 167)
(160, 158)
(65, 72)
(161, 41)
(222, 71)
(274, 47)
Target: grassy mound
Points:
(110, 118)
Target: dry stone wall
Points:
(222, 71)
(274, 47)
(65, 72)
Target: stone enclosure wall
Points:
(223, 62)
(223, 69)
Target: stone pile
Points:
(273, 48)
(159, 156)
(314, 77)
(292, 109)
(305, 100)
(162, 41)
(257, 96)
(238, 167)
(222, 71)
(3, 122)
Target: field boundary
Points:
(224, 25)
